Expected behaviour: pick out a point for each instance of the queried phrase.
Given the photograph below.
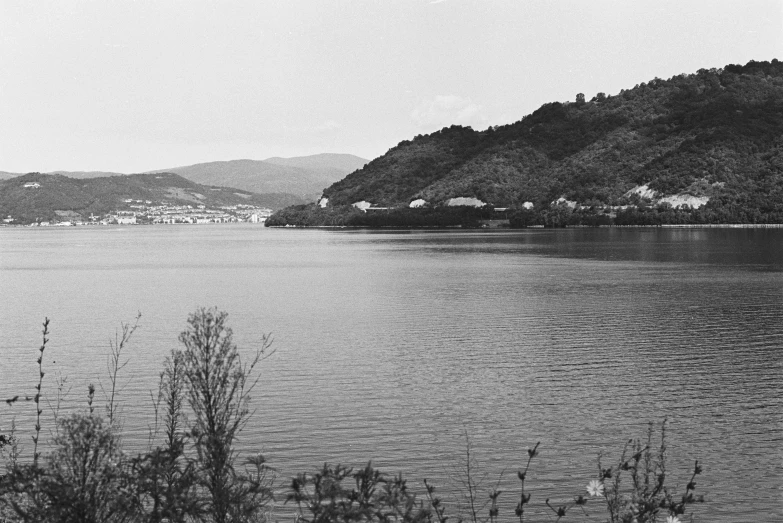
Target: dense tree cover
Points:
(715, 133)
(348, 216)
(107, 194)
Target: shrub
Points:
(81, 482)
(324, 497)
(84, 478)
(219, 386)
(647, 495)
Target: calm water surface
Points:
(392, 345)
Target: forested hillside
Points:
(713, 139)
(36, 197)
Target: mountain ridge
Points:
(339, 161)
(305, 177)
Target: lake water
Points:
(392, 345)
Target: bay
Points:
(392, 346)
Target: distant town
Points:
(146, 212)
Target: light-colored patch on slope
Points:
(643, 191)
(562, 201)
(463, 201)
(679, 200)
(676, 200)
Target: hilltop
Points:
(38, 197)
(330, 162)
(703, 147)
(305, 177)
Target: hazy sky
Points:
(134, 86)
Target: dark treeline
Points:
(725, 211)
(348, 216)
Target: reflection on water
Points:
(391, 344)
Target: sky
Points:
(131, 86)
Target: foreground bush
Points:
(193, 474)
(340, 494)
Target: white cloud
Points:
(446, 110)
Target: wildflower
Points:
(673, 519)
(596, 488)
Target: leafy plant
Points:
(340, 494)
(84, 478)
(647, 495)
(81, 480)
(218, 386)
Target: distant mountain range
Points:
(304, 176)
(697, 148)
(290, 180)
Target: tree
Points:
(166, 481)
(85, 475)
(580, 99)
(219, 386)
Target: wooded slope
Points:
(715, 133)
(107, 194)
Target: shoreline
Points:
(662, 226)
